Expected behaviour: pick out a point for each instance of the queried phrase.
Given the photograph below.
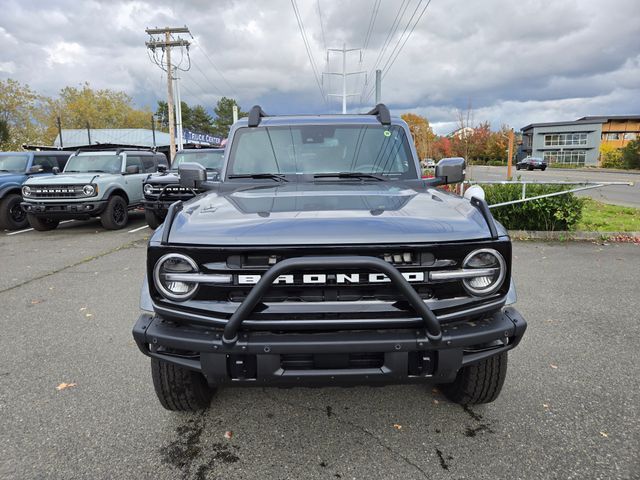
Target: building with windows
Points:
(578, 142)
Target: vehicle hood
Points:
(166, 178)
(10, 177)
(331, 213)
(67, 179)
(171, 177)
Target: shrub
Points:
(561, 212)
(610, 156)
(631, 154)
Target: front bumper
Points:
(329, 358)
(159, 207)
(65, 210)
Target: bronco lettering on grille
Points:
(324, 278)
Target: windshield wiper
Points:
(97, 171)
(349, 175)
(278, 177)
(72, 171)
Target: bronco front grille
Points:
(57, 191)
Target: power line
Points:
(402, 34)
(372, 21)
(324, 42)
(390, 62)
(394, 26)
(204, 52)
(308, 48)
(208, 80)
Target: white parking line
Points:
(138, 229)
(20, 231)
(29, 229)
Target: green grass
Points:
(597, 216)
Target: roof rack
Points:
(118, 150)
(255, 115)
(382, 114)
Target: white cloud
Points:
(515, 62)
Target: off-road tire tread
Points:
(42, 225)
(6, 222)
(478, 383)
(152, 218)
(180, 389)
(106, 218)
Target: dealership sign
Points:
(190, 136)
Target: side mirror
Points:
(36, 169)
(450, 170)
(162, 168)
(133, 169)
(55, 170)
(192, 175)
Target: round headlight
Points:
(26, 191)
(148, 189)
(494, 266)
(166, 276)
(88, 190)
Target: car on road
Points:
(15, 169)
(105, 184)
(323, 258)
(163, 188)
(532, 163)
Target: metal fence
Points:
(579, 186)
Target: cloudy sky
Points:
(514, 62)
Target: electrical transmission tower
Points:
(160, 43)
(344, 74)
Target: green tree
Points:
(610, 156)
(194, 118)
(20, 109)
(224, 116)
(631, 154)
(4, 132)
(99, 108)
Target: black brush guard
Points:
(432, 326)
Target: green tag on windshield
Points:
(387, 133)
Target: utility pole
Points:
(344, 74)
(164, 62)
(235, 113)
(60, 131)
(378, 86)
(510, 154)
(178, 113)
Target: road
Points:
(569, 408)
(615, 194)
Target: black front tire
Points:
(517, 167)
(12, 217)
(479, 382)
(116, 215)
(153, 219)
(179, 389)
(543, 168)
(42, 224)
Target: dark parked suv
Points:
(162, 189)
(15, 169)
(532, 163)
(323, 258)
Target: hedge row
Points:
(561, 212)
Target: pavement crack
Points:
(126, 246)
(352, 424)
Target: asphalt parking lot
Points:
(570, 407)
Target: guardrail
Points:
(582, 186)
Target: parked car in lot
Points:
(162, 189)
(322, 258)
(15, 169)
(104, 183)
(532, 163)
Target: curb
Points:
(597, 170)
(563, 236)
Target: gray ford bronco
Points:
(323, 258)
(94, 183)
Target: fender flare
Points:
(115, 189)
(8, 188)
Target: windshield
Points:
(378, 150)
(13, 163)
(211, 160)
(94, 163)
